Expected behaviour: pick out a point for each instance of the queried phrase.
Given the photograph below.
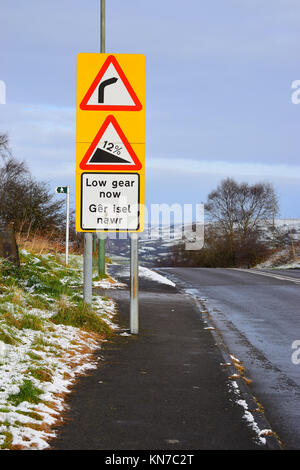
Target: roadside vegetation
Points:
(28, 205)
(240, 228)
(48, 336)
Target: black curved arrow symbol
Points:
(102, 85)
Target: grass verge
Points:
(47, 338)
(81, 316)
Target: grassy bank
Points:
(48, 337)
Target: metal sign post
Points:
(102, 238)
(88, 268)
(101, 254)
(67, 223)
(66, 190)
(88, 237)
(134, 284)
(102, 31)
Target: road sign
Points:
(110, 142)
(111, 90)
(110, 201)
(61, 189)
(110, 150)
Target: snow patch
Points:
(248, 416)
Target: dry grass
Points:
(247, 381)
(241, 370)
(17, 296)
(260, 408)
(43, 244)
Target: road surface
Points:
(259, 317)
(164, 388)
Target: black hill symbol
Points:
(100, 156)
(109, 81)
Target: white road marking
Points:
(276, 276)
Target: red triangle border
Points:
(92, 107)
(92, 167)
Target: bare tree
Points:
(25, 202)
(241, 208)
(222, 206)
(239, 211)
(4, 148)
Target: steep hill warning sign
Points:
(110, 150)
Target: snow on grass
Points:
(47, 338)
(47, 370)
(107, 308)
(293, 265)
(281, 259)
(108, 283)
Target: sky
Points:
(218, 89)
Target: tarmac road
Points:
(162, 389)
(259, 317)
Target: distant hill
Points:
(155, 249)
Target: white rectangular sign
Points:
(110, 201)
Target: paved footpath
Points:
(161, 390)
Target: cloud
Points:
(43, 136)
(224, 169)
(219, 80)
(190, 181)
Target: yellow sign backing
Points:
(110, 142)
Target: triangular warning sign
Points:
(110, 150)
(110, 90)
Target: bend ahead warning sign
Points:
(111, 90)
(110, 142)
